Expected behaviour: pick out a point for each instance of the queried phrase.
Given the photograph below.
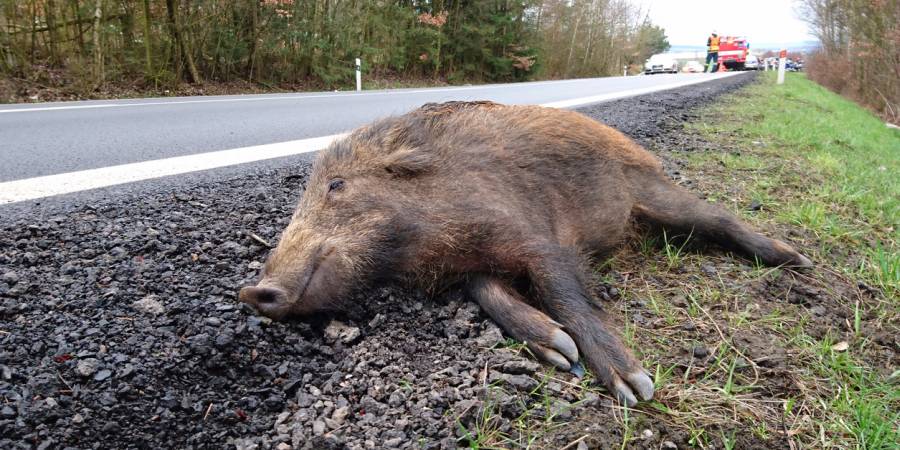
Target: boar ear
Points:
(408, 162)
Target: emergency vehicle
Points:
(733, 52)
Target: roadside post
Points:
(782, 62)
(624, 71)
(358, 76)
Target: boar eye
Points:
(335, 185)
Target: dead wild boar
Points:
(510, 201)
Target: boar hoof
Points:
(563, 352)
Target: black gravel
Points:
(119, 327)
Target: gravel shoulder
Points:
(119, 328)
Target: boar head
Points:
(356, 222)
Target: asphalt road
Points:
(54, 138)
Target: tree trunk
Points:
(148, 47)
(180, 45)
(52, 35)
(98, 47)
(76, 11)
(254, 36)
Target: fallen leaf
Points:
(840, 346)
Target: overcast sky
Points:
(689, 22)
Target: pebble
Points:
(9, 278)
(87, 367)
(339, 331)
(646, 434)
(102, 375)
(520, 367)
(8, 412)
(700, 352)
(669, 445)
(318, 428)
(149, 305)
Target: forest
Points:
(89, 48)
(859, 55)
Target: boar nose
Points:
(263, 296)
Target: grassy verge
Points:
(824, 174)
(746, 356)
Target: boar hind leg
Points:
(542, 335)
(664, 204)
(565, 298)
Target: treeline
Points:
(86, 44)
(860, 53)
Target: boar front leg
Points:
(558, 279)
(543, 335)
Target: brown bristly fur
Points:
(495, 195)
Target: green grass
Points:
(852, 188)
(826, 167)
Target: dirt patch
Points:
(120, 328)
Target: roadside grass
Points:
(825, 175)
(744, 355)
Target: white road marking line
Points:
(67, 183)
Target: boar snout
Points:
(270, 301)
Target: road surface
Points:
(58, 148)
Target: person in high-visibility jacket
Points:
(712, 52)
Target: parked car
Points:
(693, 67)
(661, 63)
(751, 63)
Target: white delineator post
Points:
(624, 71)
(358, 76)
(782, 62)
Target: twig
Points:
(575, 442)
(260, 240)
(208, 409)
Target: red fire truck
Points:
(733, 52)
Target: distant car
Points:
(692, 67)
(661, 63)
(751, 63)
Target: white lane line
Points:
(289, 96)
(67, 183)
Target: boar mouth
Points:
(273, 300)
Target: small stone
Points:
(283, 446)
(669, 445)
(755, 205)
(255, 265)
(393, 443)
(339, 415)
(520, 367)
(77, 419)
(582, 446)
(87, 367)
(700, 352)
(522, 383)
(7, 412)
(689, 326)
(149, 305)
(9, 278)
(490, 337)
(102, 375)
(708, 269)
(646, 434)
(318, 428)
(337, 330)
(212, 321)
